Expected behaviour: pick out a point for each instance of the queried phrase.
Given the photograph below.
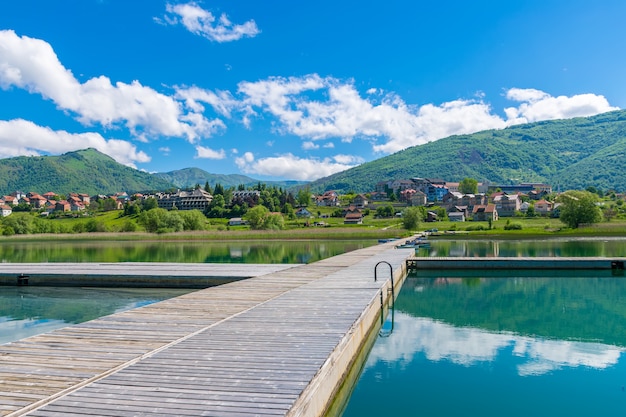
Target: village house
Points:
(249, 197)
(483, 213)
(398, 186)
(405, 195)
(507, 204)
(328, 199)
(236, 221)
(353, 218)
(5, 210)
(197, 199)
(418, 198)
(456, 216)
(543, 207)
(302, 212)
(435, 192)
(63, 206)
(378, 196)
(431, 216)
(360, 201)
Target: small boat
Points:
(391, 239)
(415, 244)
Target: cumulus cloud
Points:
(294, 167)
(32, 64)
(22, 137)
(308, 146)
(537, 105)
(203, 23)
(316, 108)
(208, 153)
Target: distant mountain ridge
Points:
(567, 154)
(85, 171)
(92, 172)
(188, 177)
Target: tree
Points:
(274, 221)
(579, 207)
(468, 186)
(149, 204)
(303, 197)
(161, 221)
(193, 220)
(256, 216)
(384, 211)
(411, 217)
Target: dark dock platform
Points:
(515, 263)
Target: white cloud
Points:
(203, 23)
(329, 145)
(165, 150)
(307, 146)
(32, 64)
(208, 153)
(22, 137)
(348, 159)
(291, 166)
(316, 108)
(537, 105)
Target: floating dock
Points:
(519, 263)
(277, 344)
(131, 274)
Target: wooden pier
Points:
(277, 344)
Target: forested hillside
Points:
(86, 171)
(568, 154)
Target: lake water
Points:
(264, 252)
(574, 247)
(27, 311)
(504, 344)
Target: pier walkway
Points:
(277, 344)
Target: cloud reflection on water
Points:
(469, 346)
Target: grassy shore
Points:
(217, 230)
(531, 229)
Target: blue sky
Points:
(291, 89)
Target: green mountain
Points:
(189, 177)
(567, 154)
(86, 171)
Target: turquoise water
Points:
(501, 345)
(27, 311)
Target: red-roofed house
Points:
(62, 205)
(485, 212)
(5, 210)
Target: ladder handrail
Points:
(382, 303)
(393, 290)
